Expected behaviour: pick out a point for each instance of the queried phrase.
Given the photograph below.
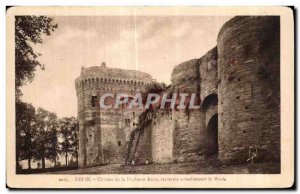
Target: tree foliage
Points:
(68, 129)
(46, 130)
(25, 132)
(38, 133)
(155, 87)
(41, 135)
(29, 30)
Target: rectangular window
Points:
(94, 101)
(127, 122)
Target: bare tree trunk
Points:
(29, 163)
(76, 152)
(77, 160)
(66, 157)
(43, 158)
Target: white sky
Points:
(150, 44)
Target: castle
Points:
(237, 82)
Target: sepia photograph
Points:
(150, 97)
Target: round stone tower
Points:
(249, 89)
(103, 134)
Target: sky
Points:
(152, 44)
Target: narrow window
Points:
(94, 101)
(209, 66)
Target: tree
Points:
(25, 132)
(28, 31)
(46, 141)
(68, 129)
(75, 132)
(41, 127)
(52, 141)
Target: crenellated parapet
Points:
(111, 79)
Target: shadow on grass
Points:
(45, 170)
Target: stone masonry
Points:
(237, 84)
(104, 133)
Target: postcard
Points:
(150, 97)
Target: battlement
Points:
(94, 77)
(112, 74)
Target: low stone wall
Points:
(162, 137)
(143, 147)
(187, 135)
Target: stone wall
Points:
(186, 79)
(181, 135)
(143, 150)
(187, 138)
(195, 76)
(249, 103)
(154, 141)
(208, 70)
(208, 73)
(237, 83)
(162, 128)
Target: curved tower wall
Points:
(185, 79)
(249, 89)
(89, 124)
